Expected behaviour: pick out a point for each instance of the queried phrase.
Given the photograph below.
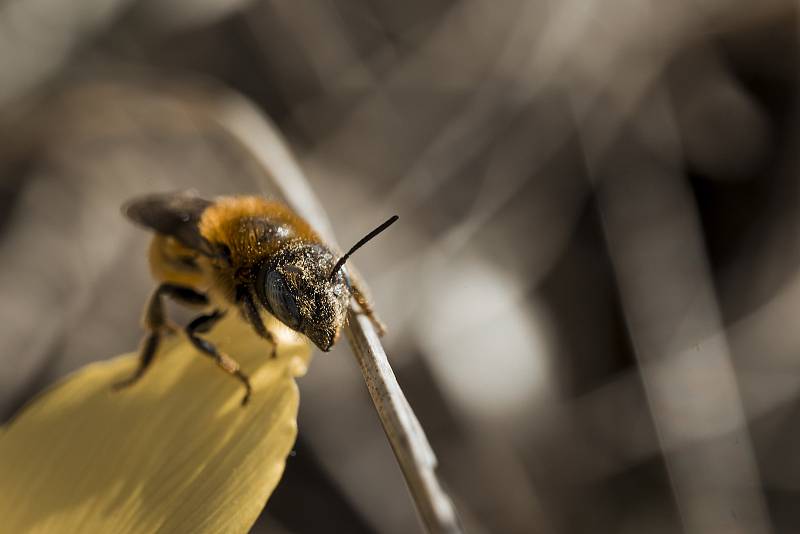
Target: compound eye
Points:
(280, 299)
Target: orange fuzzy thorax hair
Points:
(252, 227)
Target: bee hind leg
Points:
(146, 354)
(204, 323)
(157, 324)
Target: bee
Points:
(247, 253)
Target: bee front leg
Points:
(366, 307)
(204, 323)
(157, 324)
(252, 316)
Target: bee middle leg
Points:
(204, 323)
(157, 325)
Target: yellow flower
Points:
(173, 453)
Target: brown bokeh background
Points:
(593, 293)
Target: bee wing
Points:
(173, 214)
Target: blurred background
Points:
(593, 293)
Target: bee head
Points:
(297, 289)
(307, 288)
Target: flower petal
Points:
(175, 452)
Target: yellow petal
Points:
(173, 453)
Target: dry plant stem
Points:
(405, 434)
(409, 443)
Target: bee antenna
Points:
(390, 221)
